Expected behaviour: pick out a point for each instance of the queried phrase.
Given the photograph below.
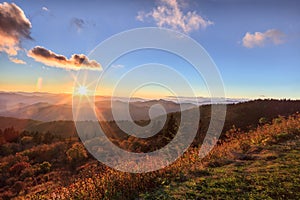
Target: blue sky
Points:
(264, 64)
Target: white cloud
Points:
(260, 39)
(45, 9)
(16, 60)
(169, 14)
(118, 66)
(45, 68)
(141, 15)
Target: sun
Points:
(82, 90)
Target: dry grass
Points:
(99, 182)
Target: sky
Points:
(254, 44)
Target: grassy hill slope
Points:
(260, 164)
(263, 164)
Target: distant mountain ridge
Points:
(243, 115)
(52, 107)
(44, 111)
(8, 100)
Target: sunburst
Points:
(82, 90)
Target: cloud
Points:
(45, 9)
(260, 39)
(76, 62)
(169, 14)
(118, 66)
(78, 23)
(17, 61)
(14, 26)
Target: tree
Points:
(18, 186)
(26, 140)
(76, 154)
(156, 127)
(171, 129)
(48, 138)
(262, 120)
(2, 139)
(17, 168)
(10, 135)
(37, 137)
(45, 167)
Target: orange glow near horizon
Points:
(69, 88)
(38, 87)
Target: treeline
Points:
(243, 116)
(30, 159)
(12, 141)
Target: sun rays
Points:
(82, 90)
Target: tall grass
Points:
(100, 182)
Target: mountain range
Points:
(53, 107)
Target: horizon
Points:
(152, 98)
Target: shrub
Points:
(26, 140)
(27, 172)
(263, 120)
(17, 168)
(7, 195)
(18, 187)
(76, 153)
(45, 167)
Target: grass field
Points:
(259, 164)
(264, 172)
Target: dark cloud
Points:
(14, 26)
(76, 62)
(78, 23)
